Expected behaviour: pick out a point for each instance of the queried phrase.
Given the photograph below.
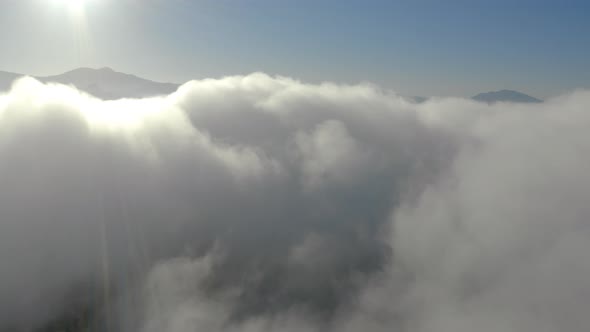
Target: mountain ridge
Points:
(107, 83)
(104, 83)
(505, 96)
(6, 79)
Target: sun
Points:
(75, 7)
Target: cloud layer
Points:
(257, 203)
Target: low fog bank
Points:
(257, 203)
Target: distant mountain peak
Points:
(90, 71)
(78, 70)
(505, 96)
(106, 83)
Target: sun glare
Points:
(75, 7)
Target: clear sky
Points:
(416, 47)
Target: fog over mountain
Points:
(104, 83)
(108, 84)
(257, 203)
(6, 79)
(505, 96)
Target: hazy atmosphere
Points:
(282, 166)
(418, 47)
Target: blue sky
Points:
(415, 47)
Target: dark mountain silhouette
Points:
(505, 96)
(104, 83)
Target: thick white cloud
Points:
(499, 241)
(253, 203)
